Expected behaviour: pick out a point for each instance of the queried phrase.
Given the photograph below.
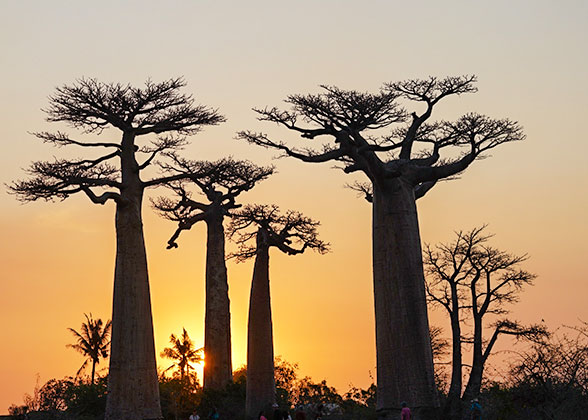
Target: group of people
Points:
(213, 415)
(282, 414)
(405, 414)
(300, 414)
(475, 411)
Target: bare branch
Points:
(60, 179)
(477, 132)
(423, 188)
(292, 233)
(157, 108)
(432, 90)
(306, 156)
(102, 198)
(61, 139)
(220, 182)
(364, 189)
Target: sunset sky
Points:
(57, 259)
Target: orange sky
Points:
(57, 259)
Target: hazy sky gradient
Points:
(57, 259)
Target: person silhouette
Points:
(476, 410)
(405, 412)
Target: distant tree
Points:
(471, 280)
(184, 353)
(291, 233)
(286, 377)
(315, 393)
(440, 349)
(93, 342)
(18, 412)
(401, 166)
(54, 394)
(218, 184)
(160, 112)
(86, 400)
(550, 380)
(63, 399)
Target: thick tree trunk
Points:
(475, 380)
(133, 392)
(217, 324)
(260, 388)
(452, 407)
(403, 345)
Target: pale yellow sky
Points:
(56, 259)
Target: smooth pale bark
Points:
(403, 345)
(133, 390)
(217, 324)
(261, 387)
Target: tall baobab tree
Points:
(182, 350)
(291, 233)
(219, 184)
(401, 166)
(161, 113)
(92, 342)
(470, 280)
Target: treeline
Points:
(75, 398)
(548, 380)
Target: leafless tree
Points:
(218, 184)
(257, 228)
(401, 166)
(551, 378)
(157, 111)
(473, 281)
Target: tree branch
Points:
(61, 139)
(103, 198)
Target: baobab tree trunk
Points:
(452, 407)
(217, 324)
(260, 388)
(403, 345)
(133, 392)
(475, 380)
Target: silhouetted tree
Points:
(440, 349)
(182, 350)
(469, 278)
(218, 183)
(92, 342)
(291, 233)
(550, 380)
(159, 110)
(401, 167)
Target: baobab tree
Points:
(471, 280)
(257, 229)
(401, 166)
(218, 184)
(92, 341)
(164, 116)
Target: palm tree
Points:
(92, 342)
(183, 351)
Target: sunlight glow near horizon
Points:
(57, 259)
